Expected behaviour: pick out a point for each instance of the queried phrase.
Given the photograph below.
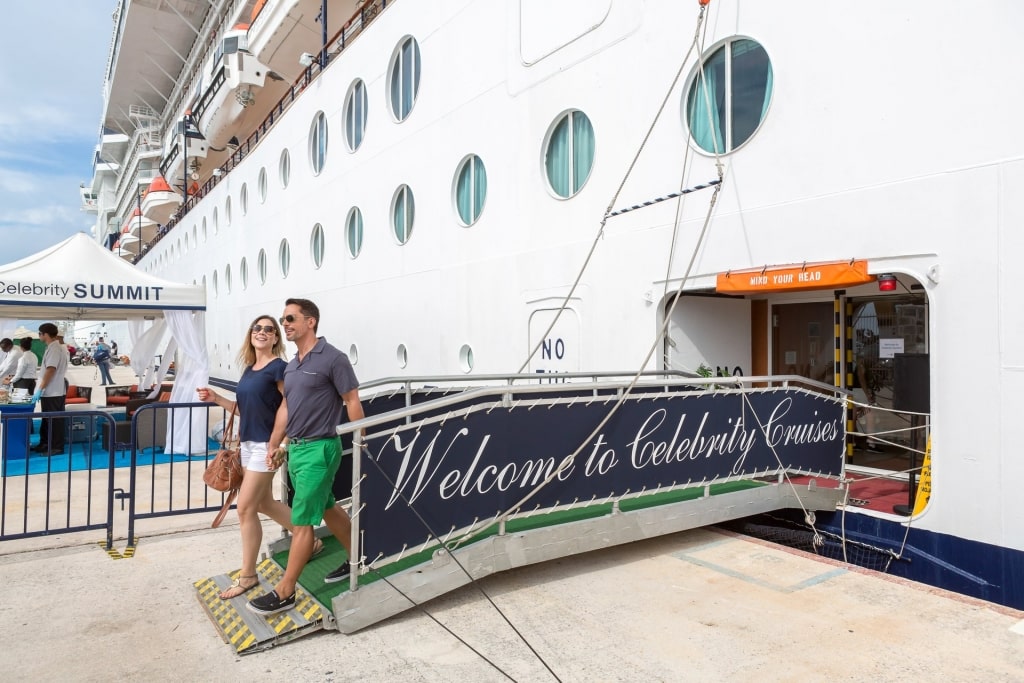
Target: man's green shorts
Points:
(311, 468)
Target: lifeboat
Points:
(235, 77)
(160, 201)
(185, 146)
(141, 227)
(123, 253)
(281, 30)
(130, 243)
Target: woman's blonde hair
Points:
(247, 354)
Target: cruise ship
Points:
(718, 190)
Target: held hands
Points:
(276, 456)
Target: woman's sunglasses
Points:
(256, 329)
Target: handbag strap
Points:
(224, 510)
(229, 431)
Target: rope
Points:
(671, 195)
(808, 517)
(618, 191)
(472, 580)
(436, 621)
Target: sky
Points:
(52, 62)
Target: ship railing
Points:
(404, 391)
(335, 45)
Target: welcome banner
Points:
(470, 468)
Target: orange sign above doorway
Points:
(795, 279)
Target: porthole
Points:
(227, 212)
(227, 279)
(213, 282)
(354, 231)
(353, 354)
(203, 229)
(284, 168)
(569, 154)
(318, 143)
(355, 115)
(284, 257)
(261, 185)
(403, 211)
(729, 96)
(195, 236)
(261, 266)
(404, 78)
(243, 198)
(243, 273)
(470, 189)
(466, 358)
(316, 245)
(186, 243)
(402, 356)
(216, 224)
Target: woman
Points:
(25, 376)
(257, 397)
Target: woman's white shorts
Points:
(254, 456)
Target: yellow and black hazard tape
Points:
(233, 625)
(115, 554)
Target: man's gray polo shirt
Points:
(313, 389)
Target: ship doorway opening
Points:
(888, 335)
(877, 334)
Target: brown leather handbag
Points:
(224, 473)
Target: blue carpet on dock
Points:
(92, 455)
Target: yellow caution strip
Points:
(247, 631)
(115, 554)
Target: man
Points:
(50, 390)
(102, 357)
(10, 362)
(319, 384)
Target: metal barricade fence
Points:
(109, 469)
(175, 485)
(43, 494)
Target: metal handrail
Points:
(737, 382)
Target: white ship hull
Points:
(857, 157)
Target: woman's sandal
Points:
(237, 585)
(318, 547)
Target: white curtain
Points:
(144, 346)
(186, 427)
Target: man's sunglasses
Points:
(256, 329)
(289, 318)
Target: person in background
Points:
(102, 357)
(9, 364)
(24, 376)
(51, 391)
(113, 348)
(864, 393)
(257, 398)
(319, 385)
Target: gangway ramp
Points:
(248, 632)
(490, 479)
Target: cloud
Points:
(50, 120)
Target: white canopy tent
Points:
(78, 279)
